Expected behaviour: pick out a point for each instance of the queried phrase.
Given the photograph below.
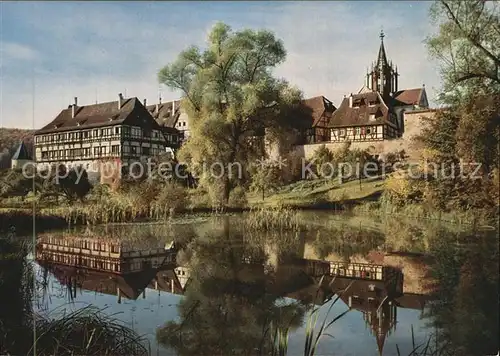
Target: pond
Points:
(215, 286)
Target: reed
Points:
(86, 331)
(277, 218)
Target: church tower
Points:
(382, 78)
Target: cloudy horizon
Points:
(96, 50)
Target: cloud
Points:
(94, 49)
(17, 51)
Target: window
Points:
(184, 123)
(115, 149)
(368, 130)
(133, 150)
(117, 130)
(356, 130)
(145, 151)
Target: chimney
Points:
(173, 107)
(120, 99)
(157, 109)
(73, 108)
(144, 102)
(159, 99)
(350, 101)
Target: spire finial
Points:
(382, 35)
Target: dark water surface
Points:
(225, 285)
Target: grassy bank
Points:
(365, 197)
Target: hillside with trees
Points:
(9, 140)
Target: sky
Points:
(51, 52)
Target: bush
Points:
(172, 198)
(238, 198)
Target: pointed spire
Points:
(382, 58)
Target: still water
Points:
(214, 287)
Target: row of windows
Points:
(181, 124)
(364, 130)
(100, 151)
(99, 133)
(85, 244)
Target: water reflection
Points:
(233, 287)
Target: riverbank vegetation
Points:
(228, 121)
(88, 331)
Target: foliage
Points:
(265, 177)
(9, 141)
(171, 199)
(226, 307)
(323, 161)
(467, 47)
(72, 184)
(238, 198)
(278, 218)
(86, 331)
(466, 135)
(14, 183)
(230, 96)
(400, 190)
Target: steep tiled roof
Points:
(319, 106)
(409, 96)
(22, 152)
(164, 116)
(102, 114)
(360, 116)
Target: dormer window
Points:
(372, 103)
(372, 117)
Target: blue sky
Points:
(99, 49)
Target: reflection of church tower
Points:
(382, 322)
(383, 77)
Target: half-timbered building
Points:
(376, 112)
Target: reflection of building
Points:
(129, 285)
(107, 255)
(374, 300)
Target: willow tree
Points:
(231, 97)
(467, 49)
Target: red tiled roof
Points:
(360, 116)
(319, 106)
(164, 116)
(409, 96)
(102, 114)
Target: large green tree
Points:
(467, 48)
(231, 96)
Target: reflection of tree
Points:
(346, 241)
(15, 292)
(226, 309)
(466, 304)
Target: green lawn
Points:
(313, 192)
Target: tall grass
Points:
(313, 334)
(418, 211)
(86, 332)
(276, 218)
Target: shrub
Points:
(171, 199)
(238, 198)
